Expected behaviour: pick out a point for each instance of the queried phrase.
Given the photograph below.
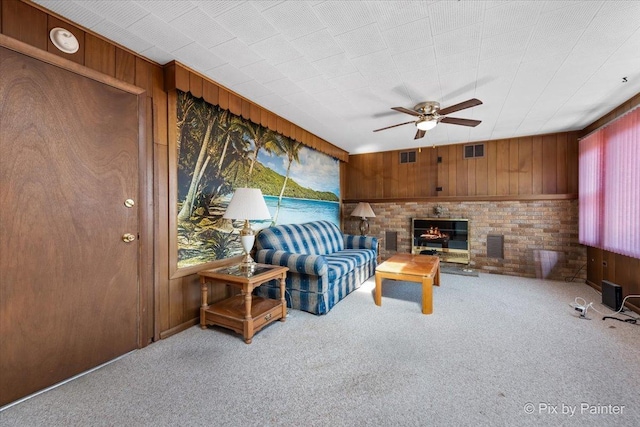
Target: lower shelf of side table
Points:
(230, 313)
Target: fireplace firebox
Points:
(447, 238)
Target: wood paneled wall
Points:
(511, 168)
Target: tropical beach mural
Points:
(218, 152)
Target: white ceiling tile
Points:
(167, 10)
(262, 72)
(201, 28)
(228, 74)
(152, 29)
(384, 80)
(315, 85)
(122, 36)
(297, 69)
(450, 85)
(374, 63)
(423, 85)
(283, 86)
(271, 101)
(317, 46)
(236, 52)
(511, 16)
(461, 61)
(575, 16)
(461, 40)
(417, 59)
(350, 81)
(411, 36)
(505, 44)
(251, 88)
(343, 16)
(198, 57)
(543, 45)
(121, 13)
(607, 32)
(276, 50)
(361, 41)
(158, 55)
(391, 14)
(75, 12)
(264, 5)
(302, 99)
(449, 15)
(217, 7)
(334, 66)
(246, 23)
(293, 19)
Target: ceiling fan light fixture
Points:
(426, 124)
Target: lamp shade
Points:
(247, 203)
(363, 210)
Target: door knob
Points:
(128, 237)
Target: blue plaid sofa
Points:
(325, 265)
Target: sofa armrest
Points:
(352, 241)
(298, 263)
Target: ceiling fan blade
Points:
(406, 110)
(466, 104)
(420, 134)
(457, 121)
(393, 126)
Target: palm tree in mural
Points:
(185, 105)
(262, 138)
(291, 149)
(199, 168)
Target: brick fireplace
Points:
(540, 236)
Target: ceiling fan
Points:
(429, 114)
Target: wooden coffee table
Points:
(423, 269)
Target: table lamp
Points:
(364, 211)
(247, 204)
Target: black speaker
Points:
(611, 295)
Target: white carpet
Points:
(494, 345)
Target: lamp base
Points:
(364, 226)
(247, 238)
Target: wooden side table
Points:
(245, 314)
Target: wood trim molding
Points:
(178, 76)
(49, 58)
(507, 198)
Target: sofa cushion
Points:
(340, 263)
(313, 238)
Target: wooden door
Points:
(69, 297)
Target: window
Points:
(473, 150)
(609, 179)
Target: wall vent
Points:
(391, 240)
(495, 246)
(408, 156)
(473, 150)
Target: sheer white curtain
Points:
(609, 187)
